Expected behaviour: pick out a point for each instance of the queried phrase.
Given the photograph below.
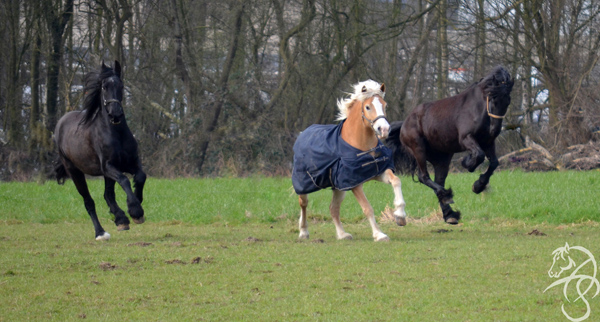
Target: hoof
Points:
(382, 237)
(451, 221)
(104, 236)
(140, 220)
(303, 235)
(123, 227)
(346, 236)
(400, 221)
(478, 187)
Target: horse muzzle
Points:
(115, 120)
(381, 128)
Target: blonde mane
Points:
(362, 91)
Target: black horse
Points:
(97, 141)
(434, 131)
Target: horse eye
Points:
(368, 108)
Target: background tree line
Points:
(224, 87)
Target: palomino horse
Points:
(346, 155)
(434, 131)
(97, 141)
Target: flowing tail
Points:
(61, 172)
(404, 162)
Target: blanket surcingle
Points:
(323, 159)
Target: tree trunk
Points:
(442, 80)
(222, 85)
(56, 25)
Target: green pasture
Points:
(226, 249)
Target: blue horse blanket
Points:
(323, 159)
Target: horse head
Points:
(561, 261)
(112, 92)
(369, 96)
(497, 86)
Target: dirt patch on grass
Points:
(387, 216)
(107, 266)
(252, 240)
(536, 232)
(141, 244)
(199, 260)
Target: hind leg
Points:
(399, 204)
(444, 196)
(121, 220)
(79, 180)
(334, 209)
(303, 201)
(441, 173)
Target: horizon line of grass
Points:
(549, 197)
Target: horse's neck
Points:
(356, 133)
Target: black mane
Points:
(93, 90)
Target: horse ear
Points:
(103, 65)
(364, 89)
(382, 88)
(117, 68)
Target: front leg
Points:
(334, 209)
(484, 179)
(133, 204)
(476, 155)
(139, 180)
(378, 235)
(399, 204)
(121, 220)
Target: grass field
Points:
(226, 250)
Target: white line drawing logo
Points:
(563, 263)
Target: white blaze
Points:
(381, 126)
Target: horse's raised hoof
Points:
(400, 221)
(478, 187)
(104, 236)
(140, 220)
(123, 227)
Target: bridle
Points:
(498, 117)
(372, 122)
(112, 100)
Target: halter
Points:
(498, 117)
(112, 100)
(106, 102)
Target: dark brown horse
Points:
(97, 141)
(434, 131)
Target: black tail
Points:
(404, 162)
(61, 172)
